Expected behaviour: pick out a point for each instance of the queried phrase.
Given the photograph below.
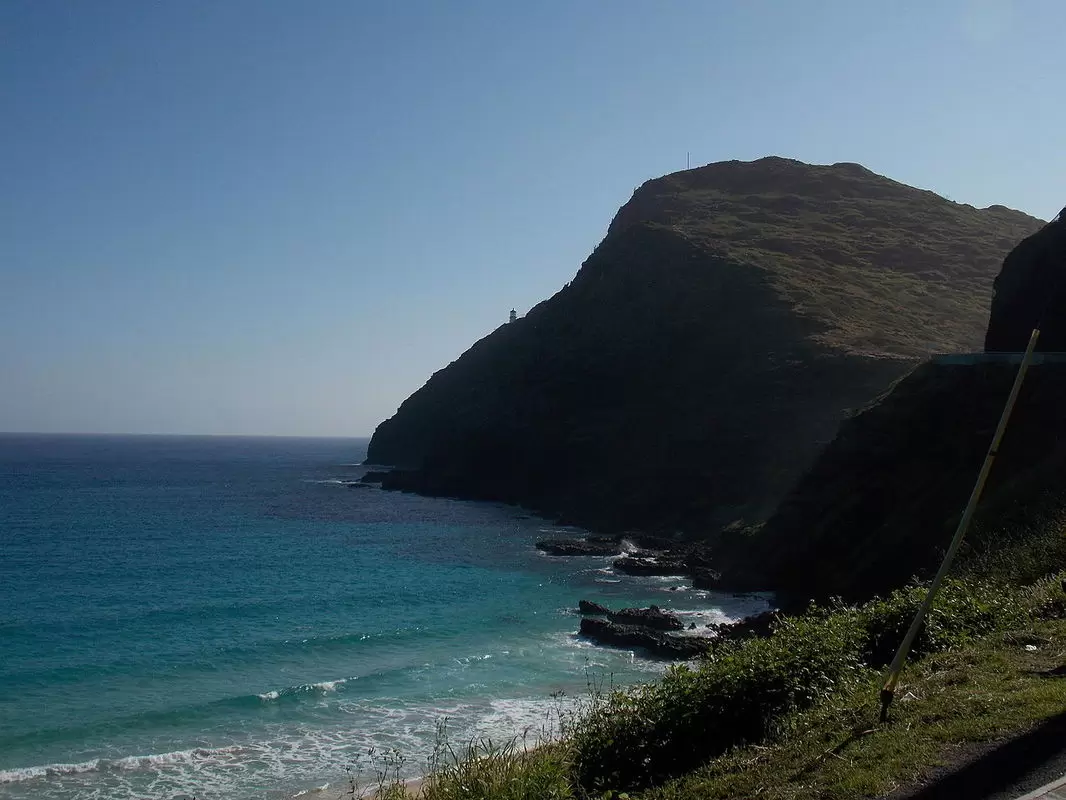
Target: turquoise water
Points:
(227, 618)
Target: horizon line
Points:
(189, 435)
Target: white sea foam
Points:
(322, 687)
(196, 755)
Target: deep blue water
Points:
(225, 617)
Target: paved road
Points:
(1052, 791)
(1026, 766)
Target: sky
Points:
(269, 217)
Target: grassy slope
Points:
(979, 693)
(888, 268)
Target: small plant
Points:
(521, 768)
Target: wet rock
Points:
(374, 476)
(588, 607)
(578, 547)
(661, 645)
(757, 626)
(658, 564)
(652, 617)
(705, 578)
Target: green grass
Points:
(978, 693)
(795, 715)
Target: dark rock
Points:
(652, 617)
(588, 607)
(658, 644)
(659, 564)
(374, 476)
(1031, 290)
(757, 626)
(705, 578)
(404, 480)
(647, 541)
(578, 547)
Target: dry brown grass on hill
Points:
(892, 269)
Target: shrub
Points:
(739, 694)
(964, 608)
(745, 691)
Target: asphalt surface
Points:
(1004, 770)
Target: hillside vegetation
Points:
(795, 715)
(707, 349)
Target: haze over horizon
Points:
(256, 218)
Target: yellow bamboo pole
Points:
(888, 690)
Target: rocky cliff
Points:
(707, 349)
(880, 505)
(883, 500)
(1031, 289)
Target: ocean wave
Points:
(297, 755)
(303, 690)
(141, 762)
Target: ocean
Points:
(229, 617)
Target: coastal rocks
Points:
(579, 547)
(374, 476)
(659, 564)
(652, 617)
(758, 626)
(1031, 291)
(661, 645)
(588, 607)
(706, 578)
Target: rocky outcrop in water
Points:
(589, 607)
(658, 644)
(652, 617)
(757, 626)
(659, 564)
(579, 547)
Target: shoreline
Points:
(413, 785)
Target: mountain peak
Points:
(708, 347)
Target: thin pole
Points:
(688, 160)
(888, 691)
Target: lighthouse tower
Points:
(514, 316)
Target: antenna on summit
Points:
(688, 160)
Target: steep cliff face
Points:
(881, 503)
(707, 349)
(1031, 289)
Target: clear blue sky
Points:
(280, 217)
